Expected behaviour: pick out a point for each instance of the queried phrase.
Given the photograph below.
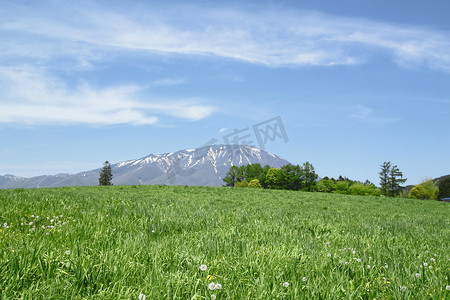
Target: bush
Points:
(419, 192)
(363, 190)
(254, 184)
(430, 187)
(326, 185)
(241, 184)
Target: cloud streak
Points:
(276, 37)
(30, 96)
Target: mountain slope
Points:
(202, 167)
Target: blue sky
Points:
(355, 83)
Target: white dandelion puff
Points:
(425, 264)
(370, 257)
(403, 288)
(203, 267)
(358, 260)
(218, 286)
(212, 286)
(447, 287)
(432, 259)
(213, 297)
(386, 266)
(430, 267)
(304, 278)
(286, 284)
(417, 275)
(68, 264)
(329, 254)
(141, 297)
(67, 252)
(368, 266)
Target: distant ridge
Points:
(204, 166)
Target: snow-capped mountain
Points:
(203, 167)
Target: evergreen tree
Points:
(105, 175)
(394, 181)
(384, 177)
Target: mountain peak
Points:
(205, 166)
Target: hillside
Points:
(122, 241)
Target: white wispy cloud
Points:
(366, 114)
(30, 96)
(275, 37)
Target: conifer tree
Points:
(105, 175)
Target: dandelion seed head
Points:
(368, 266)
(203, 267)
(213, 297)
(212, 286)
(447, 287)
(329, 254)
(432, 259)
(67, 252)
(141, 297)
(417, 275)
(304, 279)
(218, 286)
(68, 264)
(403, 288)
(386, 266)
(425, 264)
(358, 260)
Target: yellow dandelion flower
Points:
(388, 282)
(210, 277)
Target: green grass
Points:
(118, 242)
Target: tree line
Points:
(288, 177)
(304, 178)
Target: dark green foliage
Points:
(231, 177)
(390, 179)
(444, 188)
(106, 175)
(289, 177)
(310, 181)
(384, 177)
(293, 177)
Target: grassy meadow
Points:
(123, 242)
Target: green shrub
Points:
(254, 184)
(419, 192)
(241, 184)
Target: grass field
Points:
(122, 241)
